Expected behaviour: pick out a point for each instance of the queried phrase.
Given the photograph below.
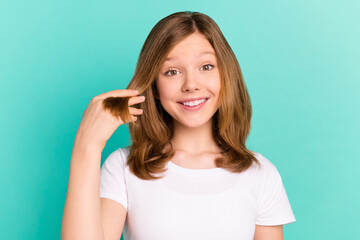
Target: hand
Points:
(97, 124)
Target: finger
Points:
(134, 119)
(118, 93)
(135, 111)
(135, 100)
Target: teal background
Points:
(300, 61)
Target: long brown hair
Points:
(151, 133)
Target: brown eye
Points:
(172, 73)
(207, 67)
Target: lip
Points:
(195, 108)
(193, 99)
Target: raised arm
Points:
(86, 216)
(82, 212)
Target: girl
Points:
(188, 173)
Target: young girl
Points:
(188, 173)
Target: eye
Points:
(171, 71)
(207, 67)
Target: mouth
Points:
(193, 104)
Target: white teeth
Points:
(194, 103)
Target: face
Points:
(189, 82)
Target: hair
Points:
(151, 148)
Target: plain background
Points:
(300, 61)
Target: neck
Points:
(194, 140)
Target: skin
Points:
(85, 217)
(186, 74)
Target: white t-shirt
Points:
(196, 204)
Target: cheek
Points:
(166, 89)
(214, 85)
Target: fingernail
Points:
(142, 97)
(136, 91)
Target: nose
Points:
(191, 83)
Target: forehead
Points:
(193, 46)
(201, 54)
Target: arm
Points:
(85, 215)
(268, 232)
(113, 216)
(82, 213)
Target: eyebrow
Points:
(200, 54)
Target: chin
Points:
(194, 124)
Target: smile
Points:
(193, 105)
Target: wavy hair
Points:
(151, 133)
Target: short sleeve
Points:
(112, 178)
(273, 204)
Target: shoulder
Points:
(265, 166)
(117, 157)
(124, 152)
